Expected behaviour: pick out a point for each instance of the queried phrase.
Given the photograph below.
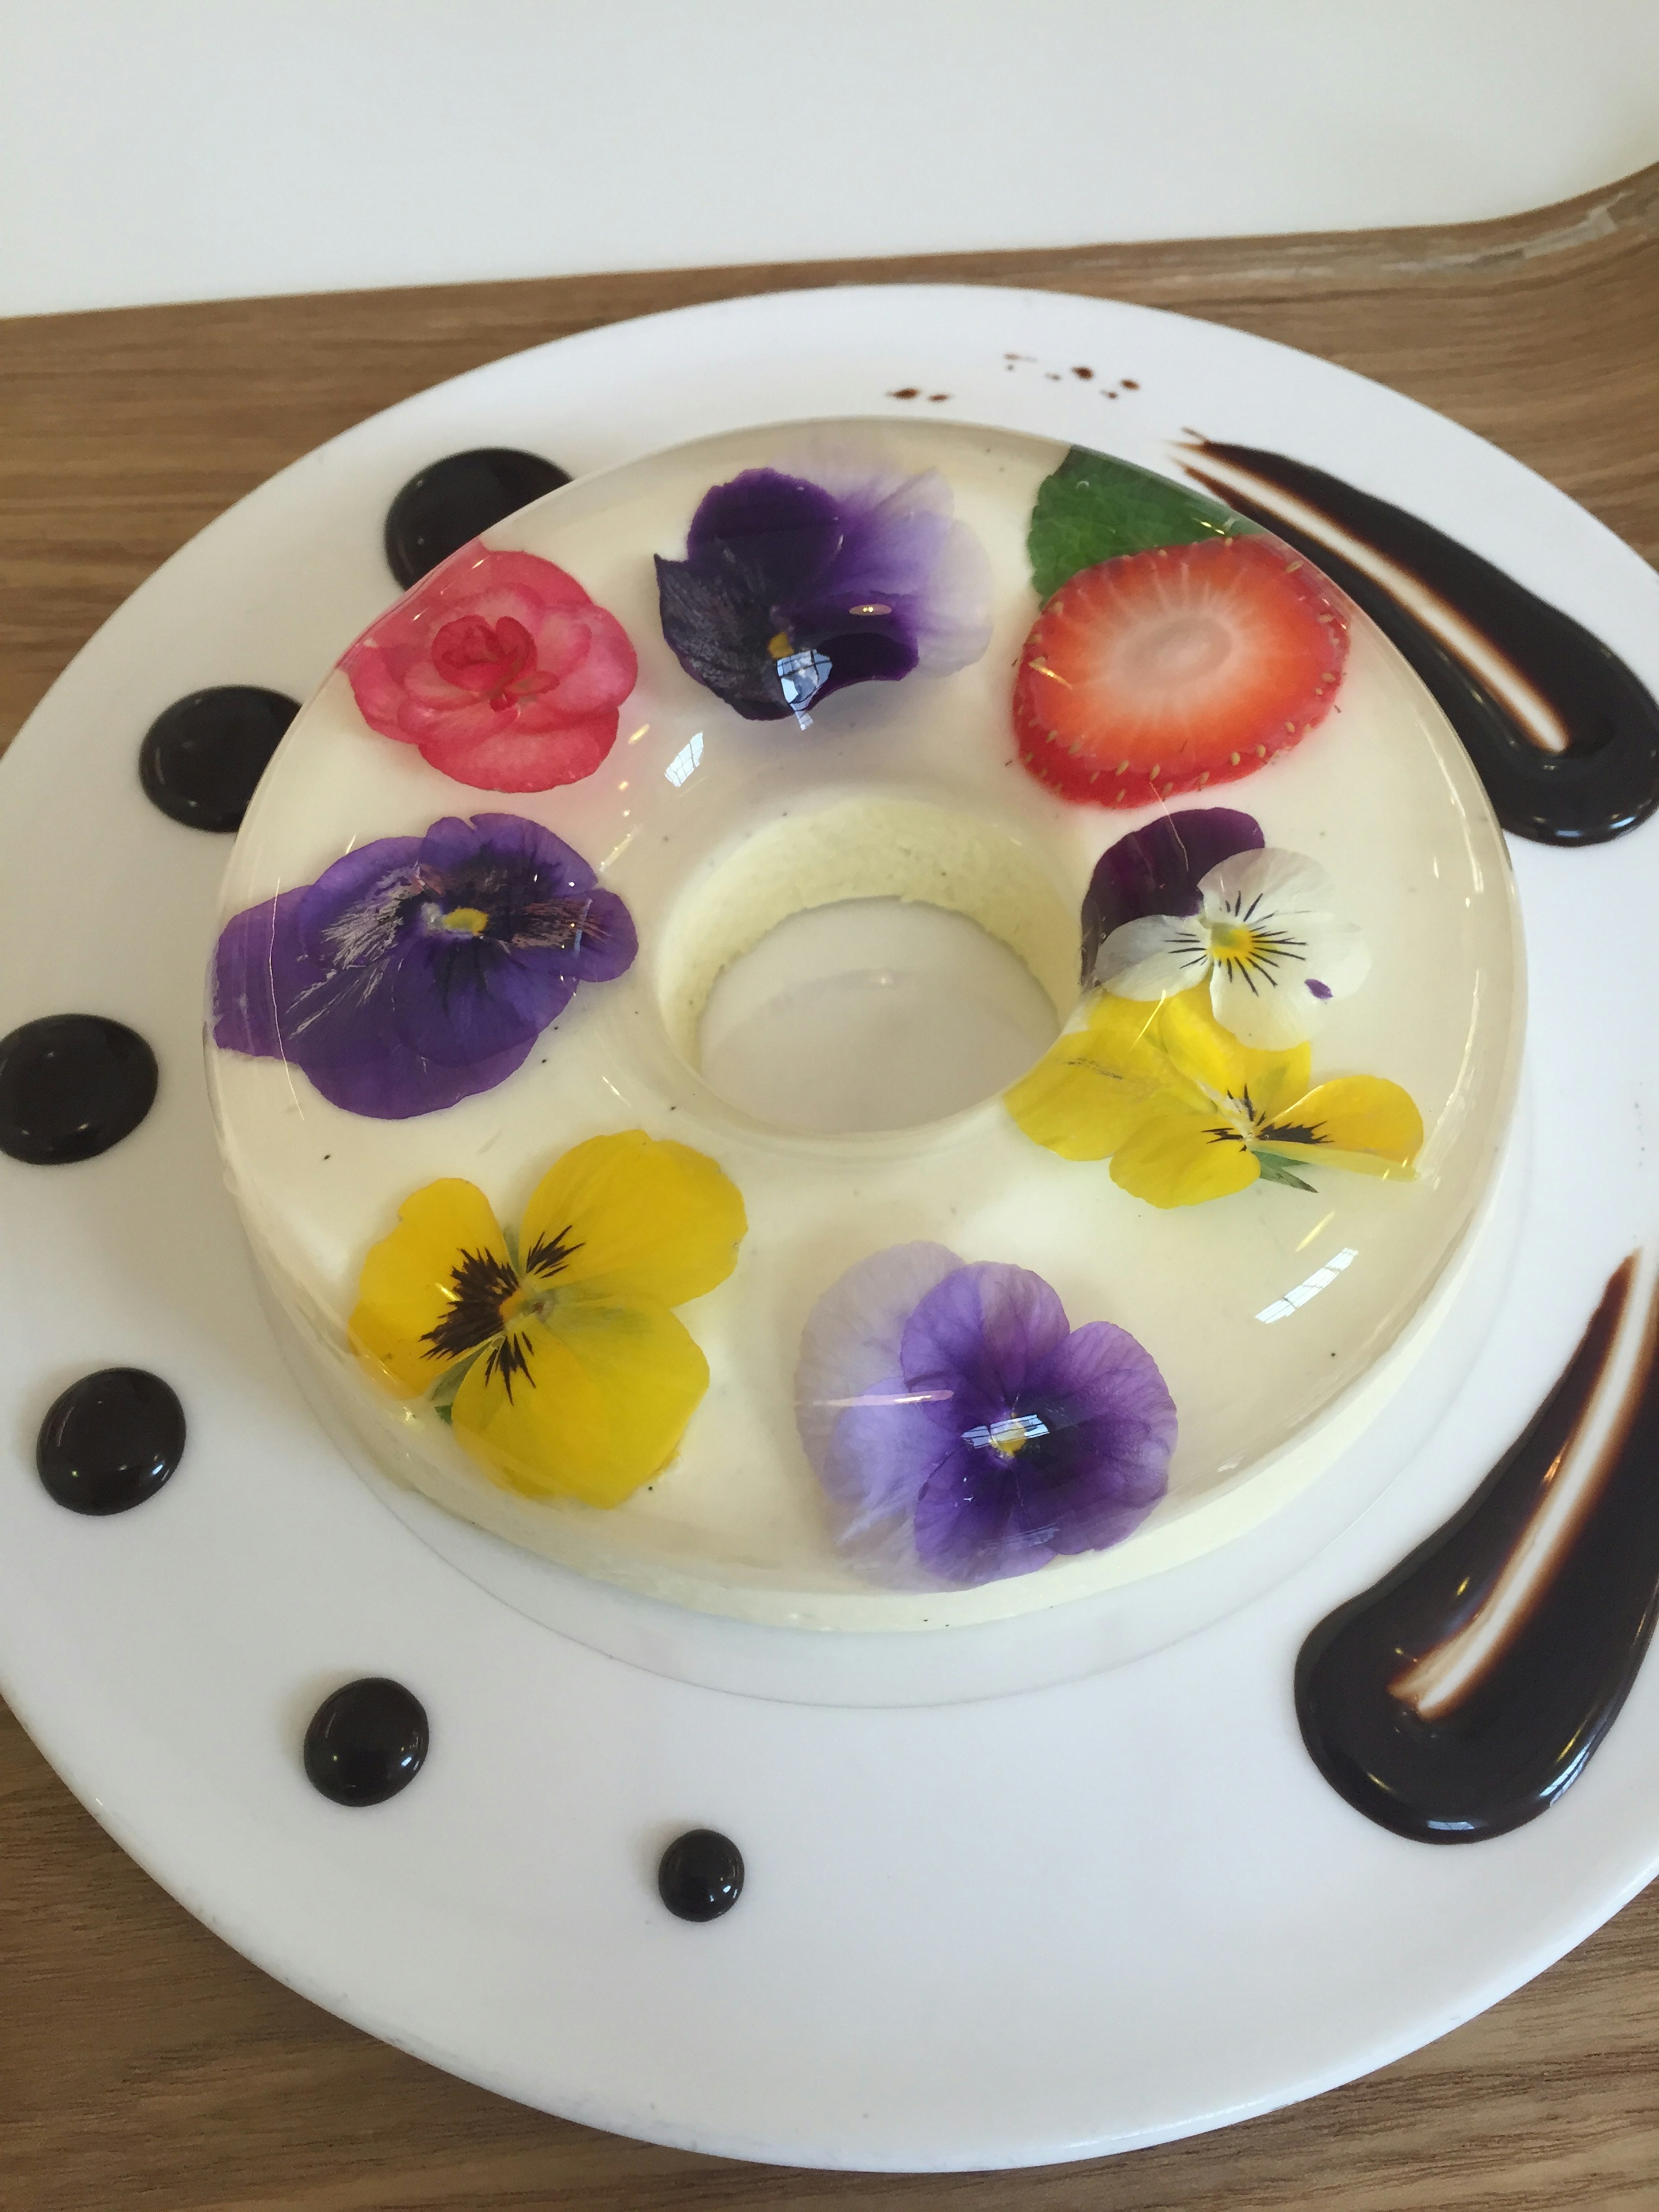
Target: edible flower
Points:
(417, 971)
(1263, 940)
(1187, 1113)
(792, 590)
(500, 668)
(963, 1431)
(1158, 869)
(553, 1353)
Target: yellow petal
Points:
(1351, 1113)
(1179, 1159)
(597, 1407)
(637, 1217)
(1213, 1056)
(1096, 1084)
(408, 1289)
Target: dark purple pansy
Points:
(417, 971)
(963, 1427)
(791, 589)
(1157, 870)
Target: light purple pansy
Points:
(418, 971)
(793, 588)
(963, 1431)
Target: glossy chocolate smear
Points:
(1444, 1735)
(1599, 775)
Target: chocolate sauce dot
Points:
(701, 1876)
(453, 500)
(110, 1441)
(71, 1086)
(203, 756)
(366, 1741)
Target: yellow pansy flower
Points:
(554, 1354)
(1186, 1112)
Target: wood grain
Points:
(142, 2062)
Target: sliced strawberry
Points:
(1161, 672)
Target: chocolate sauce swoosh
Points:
(1458, 1697)
(1564, 735)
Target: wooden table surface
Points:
(142, 2062)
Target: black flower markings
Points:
(479, 1287)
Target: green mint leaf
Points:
(1093, 508)
(1275, 1168)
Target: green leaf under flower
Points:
(1275, 1168)
(1093, 508)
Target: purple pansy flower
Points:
(417, 971)
(963, 1428)
(1157, 870)
(791, 589)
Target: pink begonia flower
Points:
(500, 669)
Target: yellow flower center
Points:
(1232, 941)
(780, 647)
(1008, 1437)
(471, 919)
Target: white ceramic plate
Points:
(1038, 1927)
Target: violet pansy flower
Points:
(793, 589)
(418, 971)
(964, 1430)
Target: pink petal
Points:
(515, 758)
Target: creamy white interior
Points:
(710, 858)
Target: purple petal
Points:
(470, 1000)
(393, 1084)
(850, 1344)
(254, 949)
(978, 1335)
(510, 843)
(782, 533)
(1090, 1479)
(349, 915)
(884, 1449)
(1157, 870)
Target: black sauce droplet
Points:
(1521, 1732)
(110, 1441)
(202, 756)
(701, 1876)
(366, 1741)
(71, 1086)
(452, 500)
(1607, 781)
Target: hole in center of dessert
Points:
(871, 1014)
(871, 965)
